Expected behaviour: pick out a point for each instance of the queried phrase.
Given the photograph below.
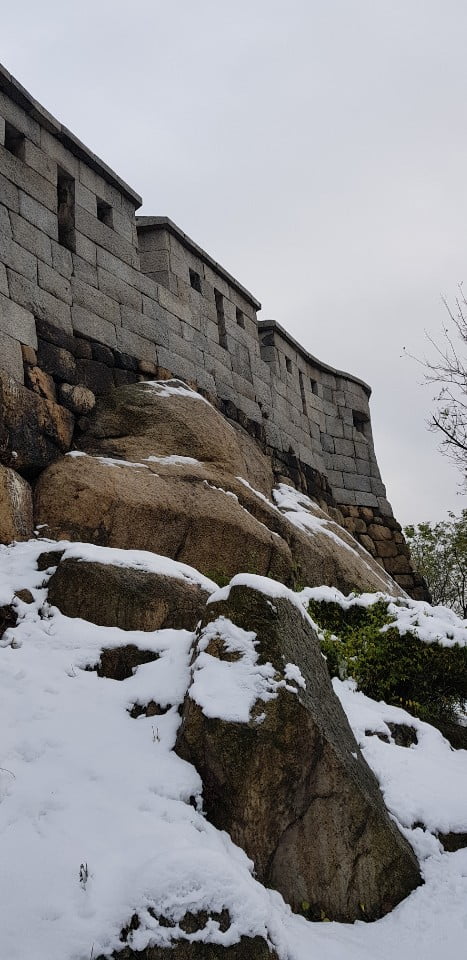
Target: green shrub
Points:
(430, 680)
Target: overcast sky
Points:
(316, 148)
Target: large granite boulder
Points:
(281, 769)
(164, 418)
(162, 470)
(164, 509)
(16, 513)
(126, 597)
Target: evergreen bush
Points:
(428, 679)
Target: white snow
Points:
(258, 494)
(108, 461)
(270, 588)
(172, 458)
(292, 673)
(230, 688)
(83, 782)
(412, 791)
(303, 513)
(137, 560)
(173, 388)
(306, 515)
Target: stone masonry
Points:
(92, 297)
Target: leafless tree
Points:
(448, 370)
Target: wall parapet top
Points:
(19, 95)
(265, 326)
(165, 223)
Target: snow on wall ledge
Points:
(93, 296)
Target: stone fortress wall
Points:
(93, 296)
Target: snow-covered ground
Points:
(82, 782)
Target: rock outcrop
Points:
(34, 431)
(132, 599)
(283, 773)
(16, 511)
(248, 948)
(162, 470)
(166, 418)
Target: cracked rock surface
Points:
(290, 784)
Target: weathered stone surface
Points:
(95, 376)
(386, 548)
(123, 597)
(8, 618)
(145, 419)
(293, 788)
(79, 400)
(246, 949)
(195, 509)
(42, 383)
(29, 355)
(453, 841)
(11, 356)
(16, 516)
(456, 733)
(368, 544)
(380, 532)
(192, 509)
(33, 431)
(182, 517)
(57, 361)
(15, 320)
(119, 663)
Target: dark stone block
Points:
(124, 376)
(50, 558)
(229, 410)
(82, 349)
(57, 361)
(125, 361)
(102, 354)
(52, 334)
(95, 376)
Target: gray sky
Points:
(316, 148)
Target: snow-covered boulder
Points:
(281, 769)
(248, 948)
(162, 470)
(131, 590)
(146, 507)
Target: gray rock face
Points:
(122, 597)
(33, 431)
(16, 521)
(246, 949)
(290, 785)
